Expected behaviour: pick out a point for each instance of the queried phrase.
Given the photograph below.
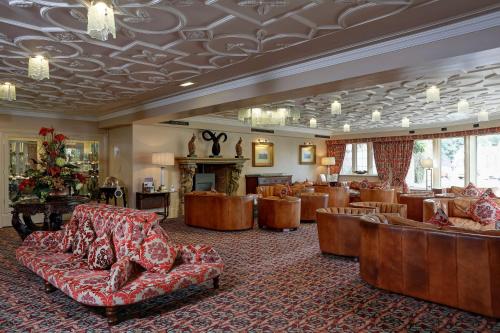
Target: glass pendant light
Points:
(433, 94)
(482, 115)
(7, 92)
(101, 20)
(38, 68)
(376, 115)
(313, 123)
(336, 107)
(463, 106)
(347, 128)
(405, 122)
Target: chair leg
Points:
(216, 282)
(49, 288)
(111, 315)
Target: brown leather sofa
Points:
(383, 207)
(456, 209)
(218, 211)
(337, 196)
(277, 213)
(309, 203)
(339, 231)
(377, 195)
(458, 269)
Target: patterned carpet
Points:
(273, 282)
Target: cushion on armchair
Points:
(44, 240)
(485, 211)
(489, 193)
(69, 235)
(472, 191)
(101, 253)
(120, 273)
(84, 237)
(440, 219)
(156, 253)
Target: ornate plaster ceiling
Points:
(161, 43)
(480, 86)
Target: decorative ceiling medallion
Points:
(263, 7)
(101, 20)
(38, 68)
(199, 35)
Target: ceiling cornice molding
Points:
(472, 25)
(35, 114)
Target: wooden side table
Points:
(145, 200)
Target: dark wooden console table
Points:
(52, 211)
(146, 200)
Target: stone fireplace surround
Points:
(227, 173)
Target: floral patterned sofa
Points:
(108, 257)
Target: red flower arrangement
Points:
(53, 173)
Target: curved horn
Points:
(211, 134)
(222, 135)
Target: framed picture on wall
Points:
(307, 154)
(262, 154)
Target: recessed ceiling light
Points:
(186, 84)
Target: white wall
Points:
(157, 138)
(120, 157)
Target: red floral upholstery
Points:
(489, 193)
(472, 191)
(156, 254)
(440, 219)
(101, 253)
(485, 211)
(126, 282)
(84, 237)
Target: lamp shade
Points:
(427, 163)
(328, 161)
(163, 158)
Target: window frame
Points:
(370, 160)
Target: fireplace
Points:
(224, 174)
(204, 181)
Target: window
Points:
(452, 154)
(347, 165)
(361, 157)
(488, 160)
(416, 174)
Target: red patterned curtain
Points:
(393, 160)
(336, 150)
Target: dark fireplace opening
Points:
(204, 181)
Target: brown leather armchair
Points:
(383, 207)
(377, 195)
(415, 204)
(337, 196)
(218, 211)
(309, 203)
(339, 231)
(277, 213)
(457, 269)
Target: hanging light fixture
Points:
(463, 106)
(7, 92)
(336, 107)
(313, 123)
(405, 122)
(101, 20)
(38, 67)
(376, 115)
(244, 114)
(347, 128)
(433, 94)
(295, 114)
(482, 115)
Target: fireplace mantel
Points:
(188, 166)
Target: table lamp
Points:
(163, 159)
(428, 165)
(328, 161)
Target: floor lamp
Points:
(328, 162)
(428, 165)
(163, 159)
